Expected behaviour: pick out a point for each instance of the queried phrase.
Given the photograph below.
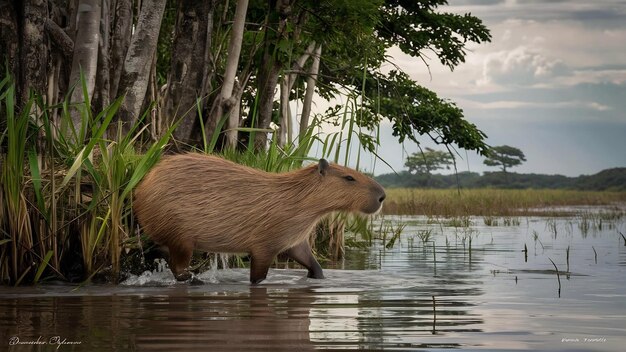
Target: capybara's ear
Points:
(322, 167)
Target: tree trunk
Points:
(298, 66)
(310, 90)
(226, 95)
(267, 80)
(187, 78)
(136, 71)
(285, 112)
(85, 56)
(270, 67)
(120, 40)
(34, 48)
(101, 95)
(9, 47)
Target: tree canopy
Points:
(428, 161)
(330, 47)
(504, 156)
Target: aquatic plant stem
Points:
(558, 277)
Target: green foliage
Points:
(606, 180)
(64, 185)
(72, 203)
(417, 26)
(355, 36)
(427, 161)
(415, 110)
(504, 156)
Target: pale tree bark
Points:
(284, 136)
(189, 72)
(310, 90)
(286, 85)
(85, 57)
(120, 40)
(225, 99)
(298, 66)
(85, 54)
(136, 71)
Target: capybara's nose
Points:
(382, 198)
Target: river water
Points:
(494, 296)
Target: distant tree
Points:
(427, 161)
(504, 156)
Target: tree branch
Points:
(61, 38)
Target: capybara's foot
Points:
(315, 274)
(195, 281)
(184, 276)
(256, 281)
(180, 257)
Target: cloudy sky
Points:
(552, 83)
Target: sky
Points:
(552, 83)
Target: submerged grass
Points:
(494, 202)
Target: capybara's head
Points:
(349, 189)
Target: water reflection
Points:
(259, 318)
(473, 289)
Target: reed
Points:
(525, 250)
(494, 202)
(595, 255)
(552, 226)
(424, 235)
(66, 191)
(558, 277)
(434, 258)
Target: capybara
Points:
(195, 201)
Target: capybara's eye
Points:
(349, 178)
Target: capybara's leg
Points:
(302, 254)
(180, 257)
(260, 265)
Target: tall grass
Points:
(65, 189)
(492, 202)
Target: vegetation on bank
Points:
(100, 90)
(606, 180)
(494, 202)
(66, 206)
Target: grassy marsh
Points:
(494, 202)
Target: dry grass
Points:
(492, 202)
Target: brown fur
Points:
(195, 201)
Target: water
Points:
(489, 298)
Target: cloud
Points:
(476, 2)
(520, 66)
(593, 13)
(552, 82)
(521, 104)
